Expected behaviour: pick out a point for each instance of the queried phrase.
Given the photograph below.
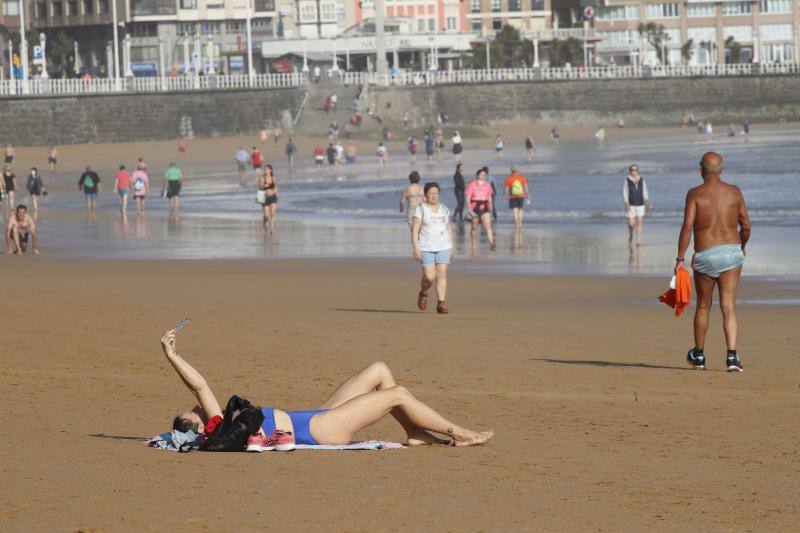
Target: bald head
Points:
(711, 164)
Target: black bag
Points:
(241, 420)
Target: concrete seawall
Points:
(140, 117)
(643, 102)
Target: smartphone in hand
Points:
(183, 323)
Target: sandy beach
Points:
(599, 423)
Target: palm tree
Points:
(687, 50)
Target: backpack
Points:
(517, 189)
(138, 185)
(241, 420)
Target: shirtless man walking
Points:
(20, 228)
(716, 213)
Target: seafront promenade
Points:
(170, 84)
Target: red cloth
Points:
(679, 297)
(215, 421)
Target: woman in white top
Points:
(458, 146)
(432, 240)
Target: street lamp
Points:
(43, 44)
(76, 61)
(250, 72)
(536, 52)
(305, 56)
(116, 38)
(127, 56)
(23, 45)
(210, 51)
(334, 59)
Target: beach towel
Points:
(167, 441)
(680, 291)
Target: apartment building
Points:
(166, 35)
(762, 30)
(486, 16)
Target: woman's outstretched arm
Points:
(190, 377)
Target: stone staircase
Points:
(314, 120)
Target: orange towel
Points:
(678, 297)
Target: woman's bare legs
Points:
(338, 425)
(378, 376)
(273, 208)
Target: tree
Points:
(478, 59)
(657, 37)
(687, 50)
(568, 51)
(734, 48)
(60, 50)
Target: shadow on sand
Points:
(606, 363)
(117, 437)
(398, 311)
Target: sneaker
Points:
(734, 363)
(696, 360)
(282, 441)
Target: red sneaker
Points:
(282, 441)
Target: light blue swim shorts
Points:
(442, 257)
(714, 261)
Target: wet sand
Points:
(599, 425)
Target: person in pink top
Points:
(479, 200)
(122, 186)
(140, 184)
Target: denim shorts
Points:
(442, 257)
(90, 195)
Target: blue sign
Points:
(237, 62)
(38, 52)
(143, 67)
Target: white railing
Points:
(578, 73)
(68, 87)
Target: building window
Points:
(537, 5)
(515, 5)
(451, 23)
(308, 12)
(477, 25)
(737, 8)
(475, 6)
(58, 9)
(88, 7)
(775, 32)
(102, 7)
(41, 10)
(431, 25)
(209, 27)
(776, 6)
(496, 5)
(497, 24)
(618, 13)
(661, 11)
(234, 26)
(261, 23)
(72, 8)
(704, 9)
(702, 35)
(327, 11)
(265, 5)
(420, 25)
(620, 39)
(185, 28)
(11, 8)
(143, 29)
(144, 54)
(188, 4)
(739, 33)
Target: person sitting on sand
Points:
(359, 402)
(21, 228)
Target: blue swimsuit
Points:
(301, 420)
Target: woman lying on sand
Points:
(359, 402)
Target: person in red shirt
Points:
(319, 155)
(359, 402)
(516, 190)
(122, 186)
(257, 161)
